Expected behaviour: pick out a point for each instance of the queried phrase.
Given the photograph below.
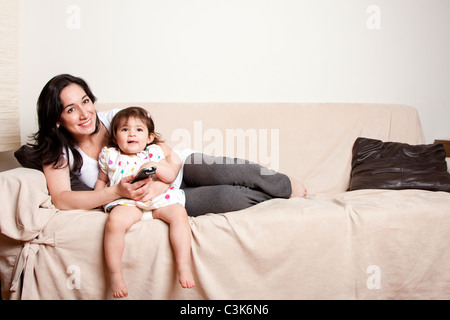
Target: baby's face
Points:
(132, 136)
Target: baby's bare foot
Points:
(186, 278)
(119, 289)
(298, 189)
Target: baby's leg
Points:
(120, 219)
(180, 237)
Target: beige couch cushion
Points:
(311, 142)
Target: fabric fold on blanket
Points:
(26, 204)
(25, 265)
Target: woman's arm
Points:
(58, 183)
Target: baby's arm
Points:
(164, 171)
(102, 180)
(168, 167)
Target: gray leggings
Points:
(219, 184)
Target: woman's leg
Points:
(180, 238)
(120, 219)
(203, 170)
(220, 199)
(220, 184)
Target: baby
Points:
(136, 147)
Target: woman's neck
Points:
(93, 144)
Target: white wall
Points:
(242, 50)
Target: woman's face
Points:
(78, 115)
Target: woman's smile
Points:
(78, 115)
(87, 123)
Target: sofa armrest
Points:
(26, 203)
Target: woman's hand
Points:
(152, 189)
(126, 189)
(143, 190)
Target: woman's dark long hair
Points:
(50, 141)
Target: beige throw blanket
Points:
(355, 245)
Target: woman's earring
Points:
(57, 126)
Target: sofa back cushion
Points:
(310, 141)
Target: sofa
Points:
(337, 243)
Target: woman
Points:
(71, 135)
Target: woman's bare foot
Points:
(119, 289)
(298, 189)
(186, 278)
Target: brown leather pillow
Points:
(393, 165)
(23, 157)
